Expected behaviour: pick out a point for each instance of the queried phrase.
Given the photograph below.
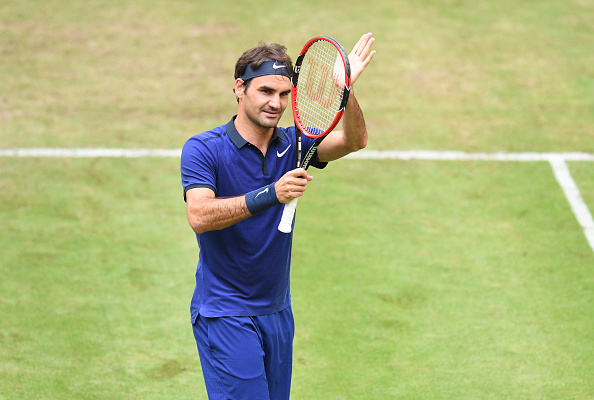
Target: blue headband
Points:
(267, 68)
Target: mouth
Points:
(271, 114)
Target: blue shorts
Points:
(247, 358)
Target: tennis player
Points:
(234, 178)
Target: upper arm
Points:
(194, 197)
(198, 165)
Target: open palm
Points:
(361, 55)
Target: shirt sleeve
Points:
(198, 166)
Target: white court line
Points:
(361, 155)
(463, 156)
(556, 160)
(90, 152)
(579, 208)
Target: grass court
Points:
(411, 279)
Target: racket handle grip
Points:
(286, 222)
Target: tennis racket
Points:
(320, 89)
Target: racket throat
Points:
(309, 155)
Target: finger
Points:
(302, 180)
(368, 59)
(300, 172)
(357, 45)
(367, 48)
(296, 173)
(296, 190)
(361, 44)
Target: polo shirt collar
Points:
(239, 141)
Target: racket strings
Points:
(320, 87)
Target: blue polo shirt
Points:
(243, 270)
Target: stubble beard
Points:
(259, 119)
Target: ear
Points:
(239, 88)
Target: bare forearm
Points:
(208, 214)
(355, 131)
(352, 137)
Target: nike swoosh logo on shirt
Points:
(263, 191)
(279, 155)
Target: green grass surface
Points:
(456, 280)
(446, 280)
(95, 276)
(411, 279)
(461, 75)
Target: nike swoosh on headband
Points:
(267, 68)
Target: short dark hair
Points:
(263, 52)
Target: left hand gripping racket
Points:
(320, 89)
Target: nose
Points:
(275, 102)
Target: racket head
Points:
(320, 86)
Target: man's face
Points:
(265, 99)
